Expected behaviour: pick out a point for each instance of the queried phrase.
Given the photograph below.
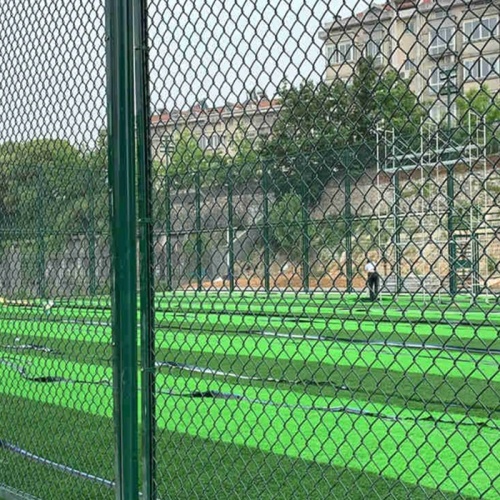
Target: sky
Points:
(224, 49)
(52, 57)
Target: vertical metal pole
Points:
(146, 245)
(348, 231)
(397, 231)
(450, 189)
(448, 103)
(199, 277)
(267, 255)
(119, 19)
(41, 234)
(452, 249)
(230, 232)
(305, 238)
(475, 265)
(92, 237)
(168, 225)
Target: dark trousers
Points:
(373, 283)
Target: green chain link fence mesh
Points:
(318, 247)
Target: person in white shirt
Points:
(372, 281)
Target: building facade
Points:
(440, 47)
(216, 129)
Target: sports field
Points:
(271, 395)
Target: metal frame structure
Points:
(394, 155)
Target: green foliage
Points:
(326, 129)
(47, 186)
(243, 162)
(286, 224)
(50, 192)
(479, 110)
(185, 161)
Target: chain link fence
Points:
(309, 270)
(56, 427)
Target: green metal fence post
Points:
(267, 255)
(92, 237)
(41, 233)
(168, 223)
(476, 287)
(230, 231)
(452, 248)
(305, 238)
(119, 19)
(397, 231)
(449, 74)
(146, 245)
(348, 231)
(199, 277)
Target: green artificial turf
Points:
(199, 468)
(429, 421)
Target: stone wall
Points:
(423, 216)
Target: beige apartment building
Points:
(442, 47)
(216, 128)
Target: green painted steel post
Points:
(348, 231)
(199, 277)
(450, 190)
(146, 246)
(305, 238)
(230, 231)
(92, 237)
(397, 231)
(267, 254)
(476, 287)
(452, 247)
(42, 289)
(119, 19)
(168, 222)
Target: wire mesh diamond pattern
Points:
(312, 248)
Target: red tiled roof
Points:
(198, 110)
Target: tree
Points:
(185, 160)
(285, 221)
(325, 129)
(42, 184)
(298, 154)
(478, 110)
(241, 161)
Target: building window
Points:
(481, 29)
(203, 142)
(216, 141)
(410, 65)
(438, 79)
(439, 112)
(374, 48)
(436, 113)
(409, 68)
(441, 39)
(343, 53)
(481, 68)
(329, 51)
(411, 27)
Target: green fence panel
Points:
(295, 148)
(68, 366)
(297, 205)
